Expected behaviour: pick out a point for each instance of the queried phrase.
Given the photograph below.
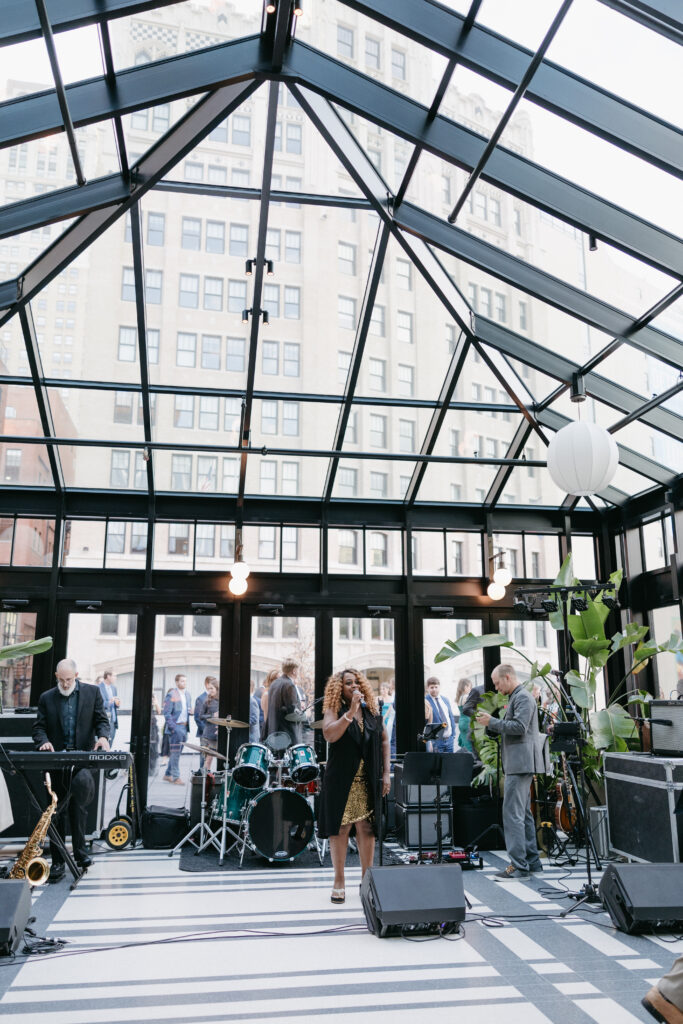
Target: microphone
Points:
(362, 703)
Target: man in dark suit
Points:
(525, 752)
(111, 700)
(71, 716)
(177, 714)
(281, 699)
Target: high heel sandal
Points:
(338, 896)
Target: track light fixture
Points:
(271, 7)
(298, 8)
(249, 268)
(592, 243)
(549, 604)
(245, 316)
(270, 268)
(579, 604)
(610, 602)
(266, 317)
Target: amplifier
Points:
(641, 897)
(644, 797)
(666, 722)
(408, 827)
(15, 912)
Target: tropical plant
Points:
(25, 649)
(612, 727)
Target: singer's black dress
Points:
(352, 776)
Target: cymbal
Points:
(207, 751)
(229, 723)
(319, 724)
(296, 716)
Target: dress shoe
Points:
(84, 862)
(510, 873)
(57, 872)
(660, 1007)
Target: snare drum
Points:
(280, 824)
(251, 765)
(236, 799)
(302, 764)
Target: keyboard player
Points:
(71, 716)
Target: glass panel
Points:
(367, 645)
(463, 552)
(538, 641)
(284, 475)
(101, 415)
(274, 639)
(507, 548)
(383, 552)
(427, 554)
(520, 20)
(642, 438)
(542, 551)
(262, 547)
(108, 468)
(83, 543)
(583, 557)
(300, 549)
(16, 627)
(653, 543)
(173, 545)
(33, 542)
(345, 550)
(293, 424)
(6, 538)
(25, 464)
(126, 545)
(669, 667)
(184, 657)
(531, 486)
(15, 60)
(456, 678)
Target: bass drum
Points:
(280, 824)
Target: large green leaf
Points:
(611, 727)
(642, 654)
(592, 646)
(565, 576)
(589, 623)
(674, 645)
(582, 690)
(633, 634)
(26, 648)
(469, 642)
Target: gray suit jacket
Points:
(524, 747)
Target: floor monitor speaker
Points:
(413, 898)
(641, 897)
(15, 911)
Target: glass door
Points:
(367, 643)
(457, 677)
(279, 637)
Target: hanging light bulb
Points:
(237, 586)
(240, 570)
(496, 591)
(502, 575)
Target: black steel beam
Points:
(515, 451)
(553, 87)
(663, 17)
(507, 170)
(42, 398)
(179, 141)
(62, 204)
(20, 19)
(362, 328)
(48, 39)
(438, 416)
(110, 74)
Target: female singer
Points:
(358, 757)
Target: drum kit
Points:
(265, 803)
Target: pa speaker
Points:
(15, 911)
(399, 898)
(640, 897)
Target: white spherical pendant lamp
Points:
(582, 458)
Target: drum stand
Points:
(225, 829)
(201, 825)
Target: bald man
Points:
(71, 716)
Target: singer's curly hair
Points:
(333, 691)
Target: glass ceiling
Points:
(333, 257)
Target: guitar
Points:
(566, 815)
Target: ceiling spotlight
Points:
(610, 602)
(579, 604)
(549, 604)
(237, 587)
(269, 268)
(271, 7)
(245, 316)
(266, 318)
(495, 591)
(298, 8)
(592, 243)
(249, 268)
(502, 575)
(519, 604)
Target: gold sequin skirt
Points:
(358, 806)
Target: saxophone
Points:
(30, 864)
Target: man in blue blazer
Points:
(71, 716)
(111, 701)
(177, 713)
(441, 712)
(525, 752)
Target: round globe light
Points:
(240, 571)
(503, 576)
(495, 591)
(237, 586)
(582, 458)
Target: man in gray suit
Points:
(524, 751)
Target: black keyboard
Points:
(51, 760)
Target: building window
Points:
(292, 302)
(348, 482)
(456, 492)
(194, 171)
(153, 282)
(152, 345)
(266, 542)
(237, 296)
(241, 130)
(156, 228)
(268, 477)
(377, 374)
(398, 64)
(217, 175)
(215, 236)
(378, 485)
(530, 455)
(123, 407)
(404, 275)
(290, 553)
(406, 380)
(128, 285)
(183, 411)
(186, 349)
(236, 351)
(265, 629)
(290, 478)
(109, 624)
(290, 418)
(269, 418)
(541, 634)
(271, 299)
(292, 246)
(485, 301)
(140, 473)
(346, 257)
(348, 547)
(207, 479)
(344, 42)
(378, 321)
(273, 244)
(378, 431)
(291, 359)
(181, 472)
(233, 415)
(523, 316)
(346, 312)
(191, 233)
(188, 293)
(208, 412)
(178, 539)
(352, 428)
(239, 240)
(219, 133)
(404, 327)
(293, 138)
(128, 344)
(378, 550)
(231, 479)
(213, 293)
(270, 357)
(501, 307)
(120, 468)
(138, 544)
(343, 363)
(406, 435)
(211, 352)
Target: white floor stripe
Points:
(576, 988)
(598, 938)
(551, 968)
(520, 944)
(641, 964)
(606, 1011)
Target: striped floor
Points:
(149, 943)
